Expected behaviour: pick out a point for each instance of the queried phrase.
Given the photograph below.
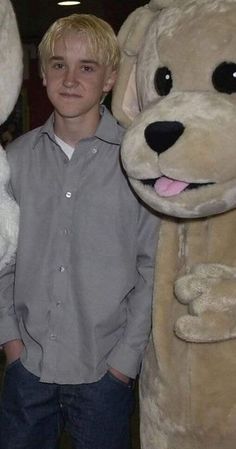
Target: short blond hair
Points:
(99, 34)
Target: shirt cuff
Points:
(125, 360)
(9, 330)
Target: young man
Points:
(76, 323)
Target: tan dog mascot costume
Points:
(10, 82)
(177, 86)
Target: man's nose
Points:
(70, 78)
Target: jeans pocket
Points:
(129, 385)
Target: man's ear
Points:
(125, 105)
(43, 77)
(110, 80)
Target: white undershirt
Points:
(68, 150)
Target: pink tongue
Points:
(169, 187)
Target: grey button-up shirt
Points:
(80, 292)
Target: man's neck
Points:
(72, 130)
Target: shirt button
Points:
(61, 269)
(53, 337)
(58, 303)
(94, 150)
(65, 231)
(68, 194)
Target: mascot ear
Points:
(11, 63)
(125, 104)
(124, 98)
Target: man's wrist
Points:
(119, 375)
(13, 350)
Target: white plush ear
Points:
(11, 64)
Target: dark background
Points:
(35, 16)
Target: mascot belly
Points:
(176, 92)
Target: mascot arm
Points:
(9, 329)
(9, 219)
(209, 290)
(126, 356)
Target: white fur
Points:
(10, 82)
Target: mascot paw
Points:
(210, 292)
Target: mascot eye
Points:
(163, 81)
(224, 78)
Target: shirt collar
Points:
(47, 128)
(108, 130)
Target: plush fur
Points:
(10, 82)
(177, 91)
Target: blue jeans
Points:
(33, 414)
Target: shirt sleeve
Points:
(127, 355)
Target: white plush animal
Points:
(10, 82)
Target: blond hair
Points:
(100, 36)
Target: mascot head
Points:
(10, 60)
(177, 91)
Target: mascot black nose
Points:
(162, 135)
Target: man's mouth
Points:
(66, 95)
(166, 187)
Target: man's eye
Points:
(87, 68)
(58, 65)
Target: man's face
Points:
(74, 79)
